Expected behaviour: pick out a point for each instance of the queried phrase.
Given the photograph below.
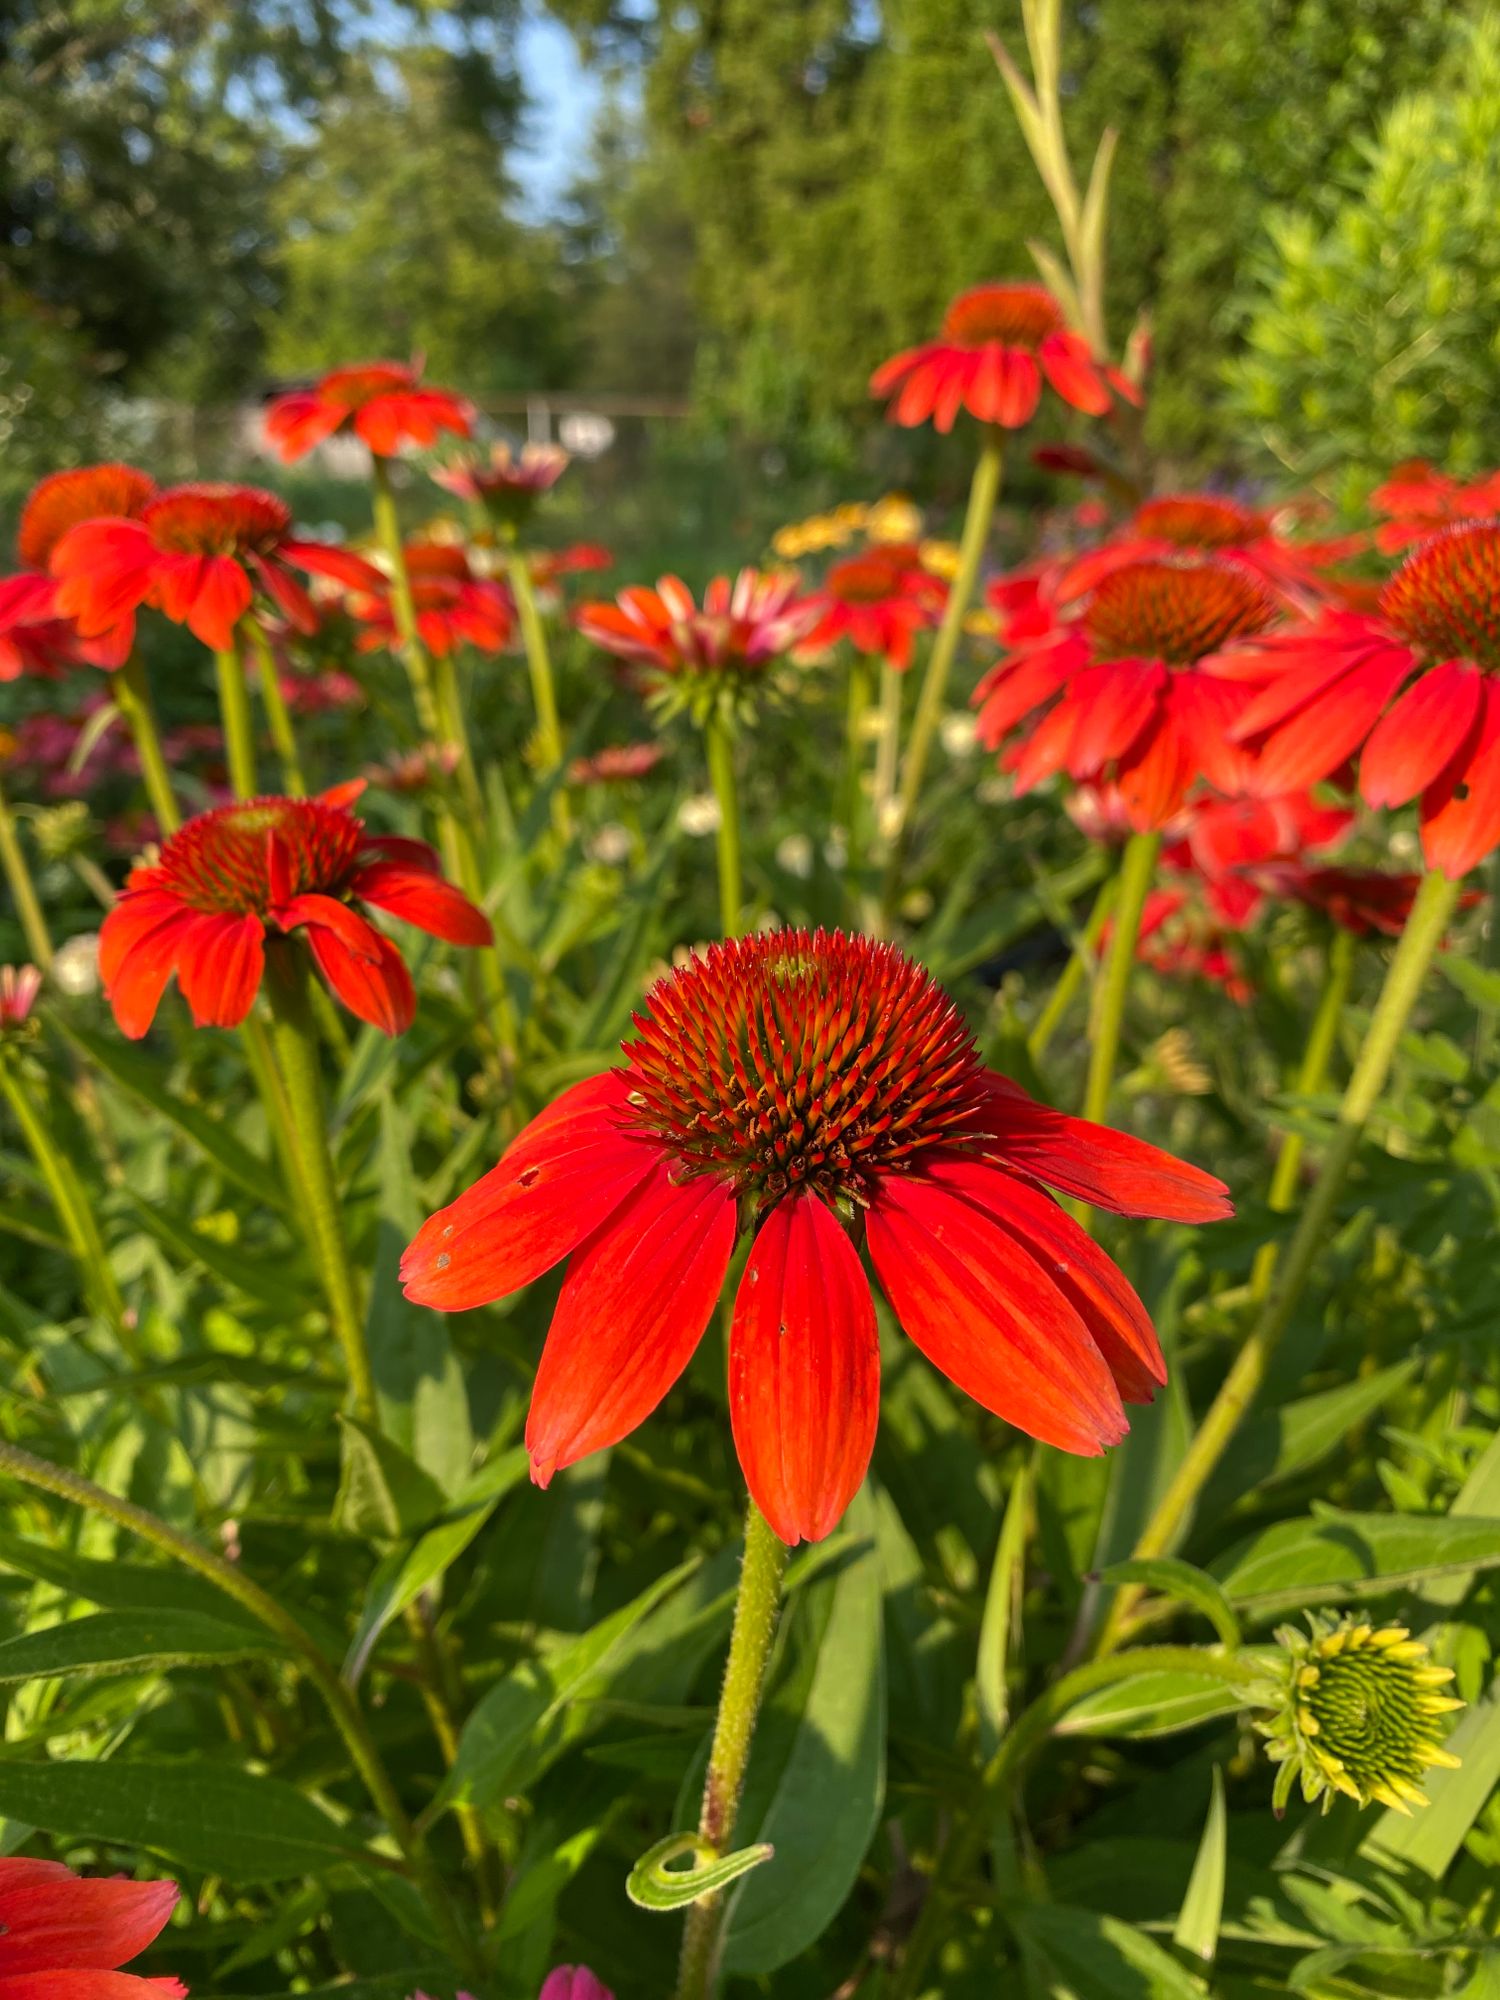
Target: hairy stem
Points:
(1082, 963)
(282, 734)
(23, 889)
(133, 699)
(1137, 869)
(719, 746)
(234, 710)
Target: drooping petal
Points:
(1155, 776)
(51, 1917)
(1018, 387)
(555, 1184)
(374, 986)
(1420, 733)
(140, 978)
(425, 900)
(1069, 367)
(982, 1312)
(88, 1984)
(636, 1299)
(1099, 1165)
(220, 959)
(1460, 813)
(354, 932)
(1093, 1284)
(804, 1370)
(1116, 702)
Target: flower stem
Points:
(1137, 869)
(755, 1613)
(1315, 1059)
(294, 1041)
(983, 493)
(1025, 1737)
(850, 806)
(71, 1203)
(1081, 963)
(234, 709)
(888, 746)
(344, 1711)
(23, 889)
(282, 734)
(413, 652)
(538, 662)
(133, 700)
(718, 743)
(1430, 916)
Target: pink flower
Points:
(573, 1982)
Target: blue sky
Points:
(564, 99)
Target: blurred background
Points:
(680, 237)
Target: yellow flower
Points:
(893, 518)
(1355, 1710)
(941, 558)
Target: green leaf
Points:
(1286, 1441)
(1075, 1953)
(125, 1586)
(423, 1404)
(1175, 1578)
(219, 1820)
(826, 1792)
(406, 1573)
(263, 1279)
(1202, 1912)
(1335, 1558)
(1002, 1602)
(127, 1642)
(383, 1492)
(142, 1076)
(1153, 1703)
(527, 1701)
(652, 1885)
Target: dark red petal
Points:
(410, 853)
(425, 900)
(220, 959)
(636, 1299)
(1099, 1165)
(1091, 1282)
(50, 1917)
(804, 1370)
(88, 1984)
(982, 1312)
(288, 595)
(555, 1184)
(375, 986)
(1420, 734)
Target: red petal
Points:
(1069, 367)
(1329, 728)
(982, 1312)
(1116, 702)
(220, 959)
(50, 1917)
(1098, 1164)
(134, 993)
(1156, 775)
(555, 1184)
(353, 931)
(1461, 812)
(88, 1985)
(375, 986)
(1092, 1283)
(636, 1299)
(1421, 732)
(287, 594)
(804, 1370)
(1019, 388)
(425, 900)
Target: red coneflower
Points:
(35, 636)
(1437, 627)
(1367, 901)
(454, 606)
(616, 764)
(1420, 500)
(196, 552)
(744, 626)
(996, 345)
(63, 1936)
(878, 601)
(1224, 842)
(815, 1089)
(382, 402)
(1125, 692)
(270, 867)
(1210, 524)
(508, 483)
(19, 986)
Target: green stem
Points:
(1321, 1040)
(71, 1203)
(133, 700)
(849, 810)
(719, 746)
(294, 1041)
(1137, 869)
(1430, 916)
(1081, 964)
(538, 662)
(239, 733)
(274, 701)
(1025, 1737)
(413, 652)
(343, 1710)
(983, 493)
(23, 889)
(755, 1613)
